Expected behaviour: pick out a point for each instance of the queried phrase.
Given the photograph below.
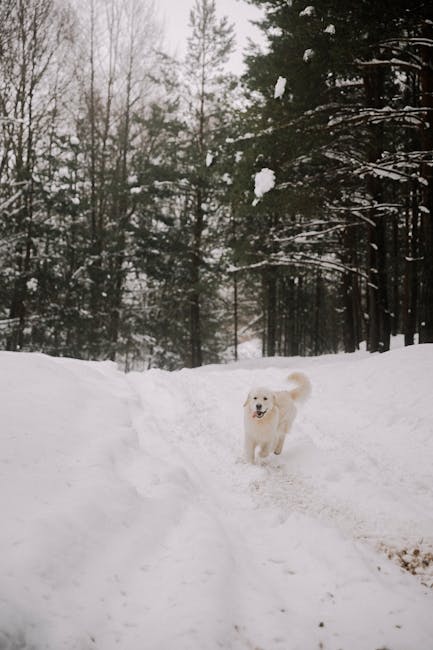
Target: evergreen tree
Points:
(209, 45)
(327, 135)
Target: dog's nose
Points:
(258, 407)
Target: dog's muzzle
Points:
(259, 414)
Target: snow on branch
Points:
(8, 202)
(393, 169)
(12, 240)
(301, 237)
(418, 41)
(408, 115)
(412, 157)
(361, 212)
(307, 261)
(7, 322)
(386, 62)
(303, 120)
(382, 171)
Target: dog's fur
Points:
(268, 416)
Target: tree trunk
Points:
(270, 285)
(379, 330)
(410, 296)
(235, 315)
(395, 293)
(349, 329)
(195, 292)
(426, 82)
(349, 337)
(317, 314)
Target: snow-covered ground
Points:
(130, 521)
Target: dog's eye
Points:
(265, 398)
(254, 397)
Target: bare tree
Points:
(34, 29)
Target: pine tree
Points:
(340, 150)
(209, 45)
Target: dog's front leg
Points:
(249, 448)
(264, 451)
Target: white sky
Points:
(175, 15)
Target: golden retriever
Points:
(268, 416)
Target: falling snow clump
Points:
(280, 87)
(263, 182)
(308, 55)
(32, 285)
(308, 11)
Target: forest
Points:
(159, 212)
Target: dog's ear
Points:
(247, 400)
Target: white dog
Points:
(268, 416)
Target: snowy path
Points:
(287, 527)
(133, 522)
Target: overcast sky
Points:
(175, 15)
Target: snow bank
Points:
(130, 520)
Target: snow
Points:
(330, 29)
(129, 519)
(209, 159)
(308, 55)
(280, 87)
(32, 285)
(308, 11)
(264, 181)
(74, 141)
(64, 172)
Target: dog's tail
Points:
(303, 390)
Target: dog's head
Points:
(259, 402)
